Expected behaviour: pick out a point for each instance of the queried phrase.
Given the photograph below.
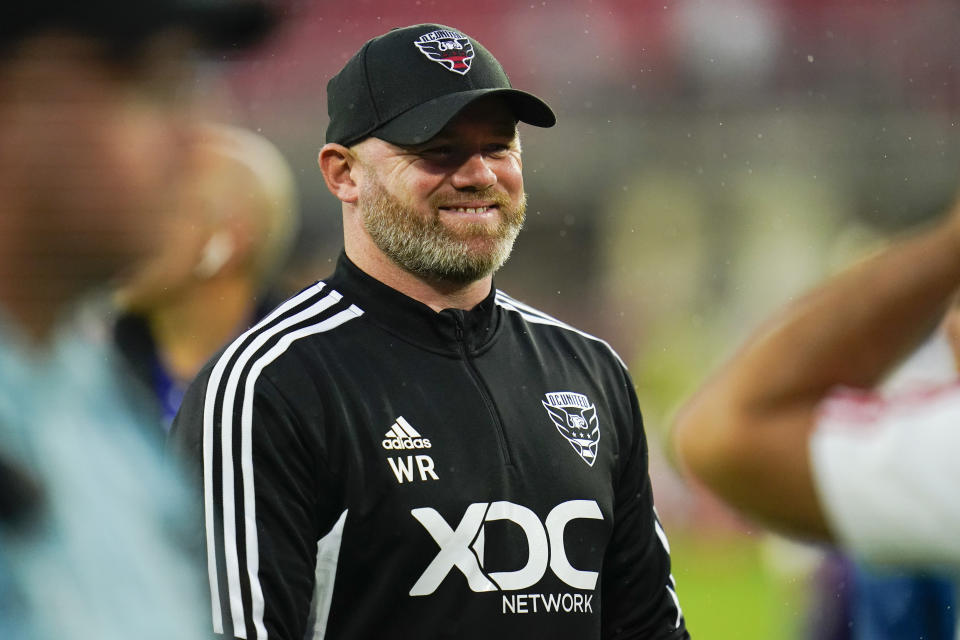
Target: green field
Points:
(728, 591)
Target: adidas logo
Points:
(403, 436)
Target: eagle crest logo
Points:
(451, 49)
(576, 419)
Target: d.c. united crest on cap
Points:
(451, 49)
(576, 419)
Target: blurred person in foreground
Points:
(794, 432)
(402, 449)
(91, 142)
(229, 236)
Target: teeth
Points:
(469, 209)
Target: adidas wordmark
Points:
(403, 436)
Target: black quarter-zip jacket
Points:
(372, 468)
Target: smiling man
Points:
(462, 234)
(402, 449)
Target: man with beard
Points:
(401, 448)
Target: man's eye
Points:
(498, 150)
(443, 151)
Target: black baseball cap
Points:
(217, 24)
(406, 85)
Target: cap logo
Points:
(451, 49)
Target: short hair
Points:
(280, 219)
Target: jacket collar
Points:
(450, 330)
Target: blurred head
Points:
(91, 148)
(265, 195)
(236, 218)
(423, 151)
(93, 119)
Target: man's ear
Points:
(337, 163)
(232, 245)
(216, 253)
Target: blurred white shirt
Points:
(886, 464)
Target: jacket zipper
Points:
(484, 392)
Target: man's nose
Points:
(474, 173)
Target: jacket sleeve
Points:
(639, 593)
(259, 469)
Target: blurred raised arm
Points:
(745, 433)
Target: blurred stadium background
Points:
(712, 159)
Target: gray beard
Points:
(431, 251)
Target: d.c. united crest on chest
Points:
(576, 419)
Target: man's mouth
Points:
(476, 209)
